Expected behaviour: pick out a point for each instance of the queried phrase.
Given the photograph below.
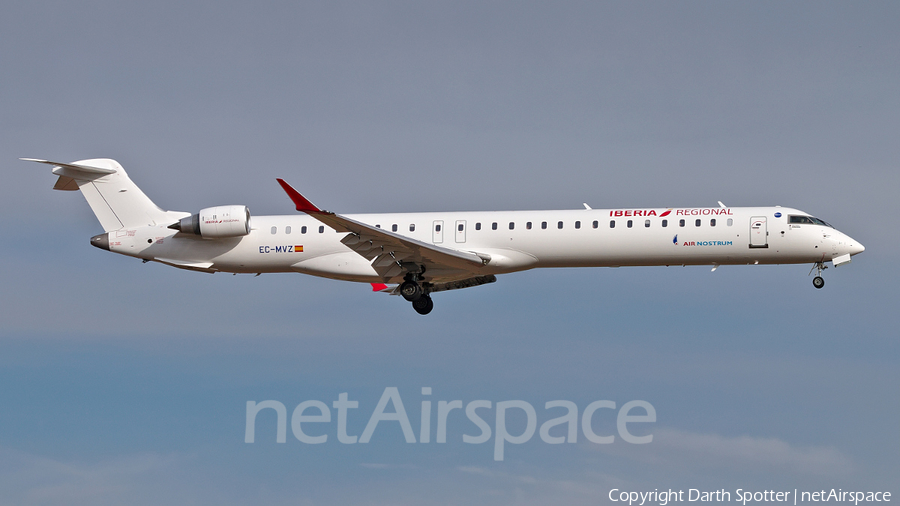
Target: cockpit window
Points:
(804, 220)
(807, 220)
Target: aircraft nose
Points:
(855, 246)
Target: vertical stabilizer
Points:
(115, 199)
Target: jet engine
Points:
(216, 222)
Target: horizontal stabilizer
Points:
(72, 166)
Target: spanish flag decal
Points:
(298, 249)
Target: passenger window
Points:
(596, 223)
(394, 227)
(512, 225)
(287, 229)
(303, 229)
(730, 222)
(321, 229)
(665, 223)
(697, 223)
(437, 228)
(528, 225)
(494, 226)
(377, 226)
(629, 223)
(559, 225)
(577, 225)
(478, 225)
(712, 222)
(680, 223)
(460, 227)
(544, 225)
(274, 230)
(612, 223)
(646, 223)
(412, 227)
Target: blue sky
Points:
(123, 382)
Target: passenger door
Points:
(759, 234)
(437, 232)
(460, 230)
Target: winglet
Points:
(303, 205)
(379, 287)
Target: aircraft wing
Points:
(389, 250)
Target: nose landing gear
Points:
(818, 281)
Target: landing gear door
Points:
(437, 232)
(460, 230)
(759, 234)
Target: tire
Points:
(818, 282)
(423, 305)
(410, 291)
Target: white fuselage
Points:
(511, 240)
(423, 253)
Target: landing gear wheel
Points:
(411, 291)
(423, 305)
(818, 281)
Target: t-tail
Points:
(116, 201)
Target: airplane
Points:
(417, 254)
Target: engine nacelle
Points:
(216, 222)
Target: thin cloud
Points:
(693, 451)
(32, 479)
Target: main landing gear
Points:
(423, 305)
(412, 291)
(818, 281)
